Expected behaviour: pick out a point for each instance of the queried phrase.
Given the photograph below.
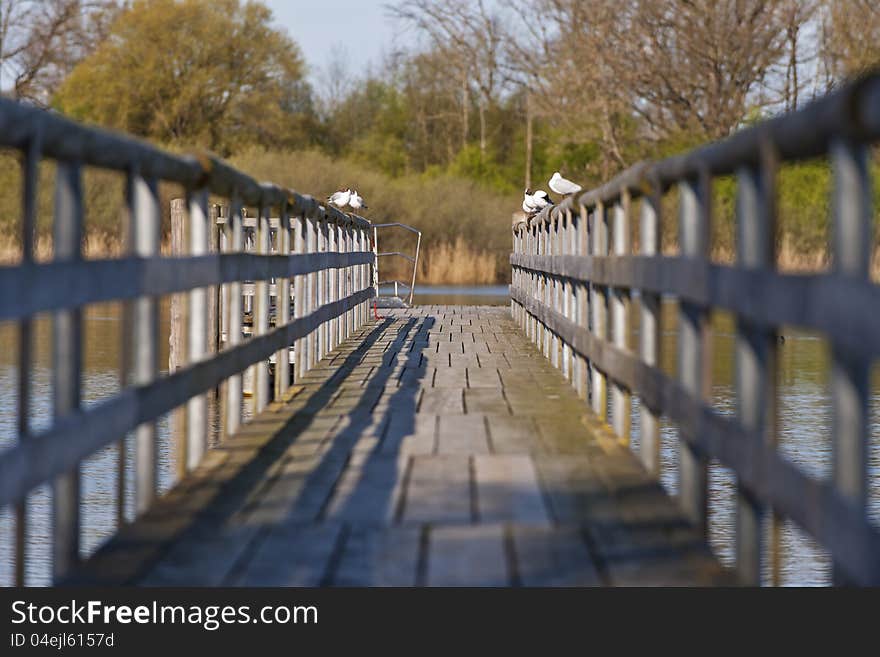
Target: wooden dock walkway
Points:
(436, 446)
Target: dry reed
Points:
(457, 264)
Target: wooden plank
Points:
(462, 434)
(439, 490)
(368, 492)
(483, 377)
(442, 401)
(291, 555)
(485, 400)
(410, 433)
(450, 377)
(467, 556)
(553, 556)
(508, 490)
(512, 435)
(373, 557)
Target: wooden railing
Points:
(575, 274)
(323, 253)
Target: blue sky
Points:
(360, 27)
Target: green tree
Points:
(211, 73)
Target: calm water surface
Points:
(804, 419)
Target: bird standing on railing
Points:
(357, 201)
(528, 204)
(536, 202)
(541, 200)
(340, 198)
(562, 186)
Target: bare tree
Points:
(692, 66)
(41, 41)
(336, 81)
(559, 52)
(472, 36)
(851, 37)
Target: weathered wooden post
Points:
(145, 231)
(30, 173)
(599, 309)
(193, 322)
(282, 305)
(177, 330)
(694, 343)
(850, 373)
(234, 389)
(581, 302)
(621, 401)
(649, 329)
(300, 301)
(261, 312)
(67, 367)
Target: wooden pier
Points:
(435, 447)
(444, 445)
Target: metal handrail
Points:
(413, 259)
(574, 274)
(396, 253)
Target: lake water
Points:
(803, 405)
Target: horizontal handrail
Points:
(399, 225)
(389, 282)
(33, 288)
(396, 253)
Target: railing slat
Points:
(649, 331)
(261, 313)
(282, 308)
(850, 373)
(299, 297)
(197, 336)
(234, 231)
(582, 317)
(145, 217)
(621, 402)
(599, 309)
(30, 175)
(67, 368)
(755, 356)
(693, 346)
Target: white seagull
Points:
(562, 186)
(357, 201)
(340, 199)
(528, 204)
(541, 199)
